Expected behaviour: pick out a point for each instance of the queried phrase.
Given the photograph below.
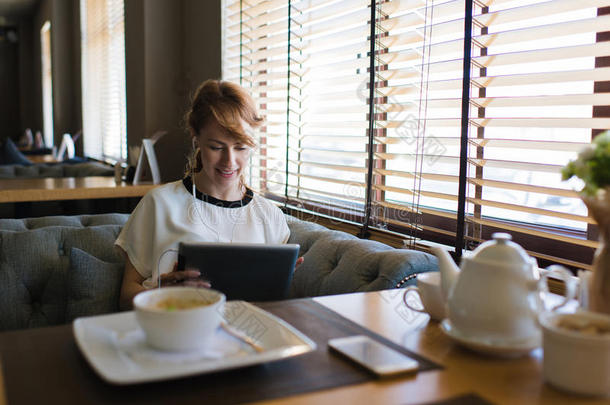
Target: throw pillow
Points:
(10, 154)
(93, 284)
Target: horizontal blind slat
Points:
(531, 210)
(534, 232)
(596, 24)
(547, 8)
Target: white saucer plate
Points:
(101, 338)
(489, 347)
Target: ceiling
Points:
(16, 8)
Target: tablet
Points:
(242, 271)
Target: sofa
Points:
(41, 170)
(57, 268)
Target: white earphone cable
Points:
(159, 264)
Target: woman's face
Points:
(223, 159)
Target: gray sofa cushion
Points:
(87, 169)
(77, 221)
(32, 171)
(35, 262)
(337, 266)
(306, 233)
(94, 285)
(33, 280)
(55, 170)
(10, 154)
(337, 262)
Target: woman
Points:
(211, 204)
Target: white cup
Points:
(179, 329)
(430, 294)
(574, 360)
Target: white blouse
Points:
(170, 214)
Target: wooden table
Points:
(68, 188)
(501, 381)
(41, 158)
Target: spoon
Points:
(241, 336)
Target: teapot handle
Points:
(584, 277)
(564, 274)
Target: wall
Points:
(164, 81)
(64, 18)
(9, 90)
(135, 71)
(42, 14)
(27, 106)
(202, 42)
(171, 46)
(64, 79)
(77, 114)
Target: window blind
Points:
(532, 99)
(103, 79)
(262, 68)
(418, 103)
(535, 80)
(306, 65)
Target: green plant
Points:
(592, 165)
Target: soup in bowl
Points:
(179, 318)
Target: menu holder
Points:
(148, 155)
(66, 148)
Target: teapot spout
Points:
(449, 270)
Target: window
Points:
(103, 79)
(534, 73)
(47, 82)
(384, 133)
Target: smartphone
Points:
(374, 356)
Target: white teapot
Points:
(497, 295)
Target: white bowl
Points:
(179, 329)
(575, 361)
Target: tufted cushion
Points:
(55, 170)
(34, 264)
(306, 233)
(87, 169)
(79, 221)
(38, 170)
(10, 154)
(94, 285)
(336, 266)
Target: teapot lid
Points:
(501, 249)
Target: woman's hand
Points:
(185, 278)
(300, 261)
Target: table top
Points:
(41, 158)
(501, 381)
(68, 188)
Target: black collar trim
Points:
(215, 201)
